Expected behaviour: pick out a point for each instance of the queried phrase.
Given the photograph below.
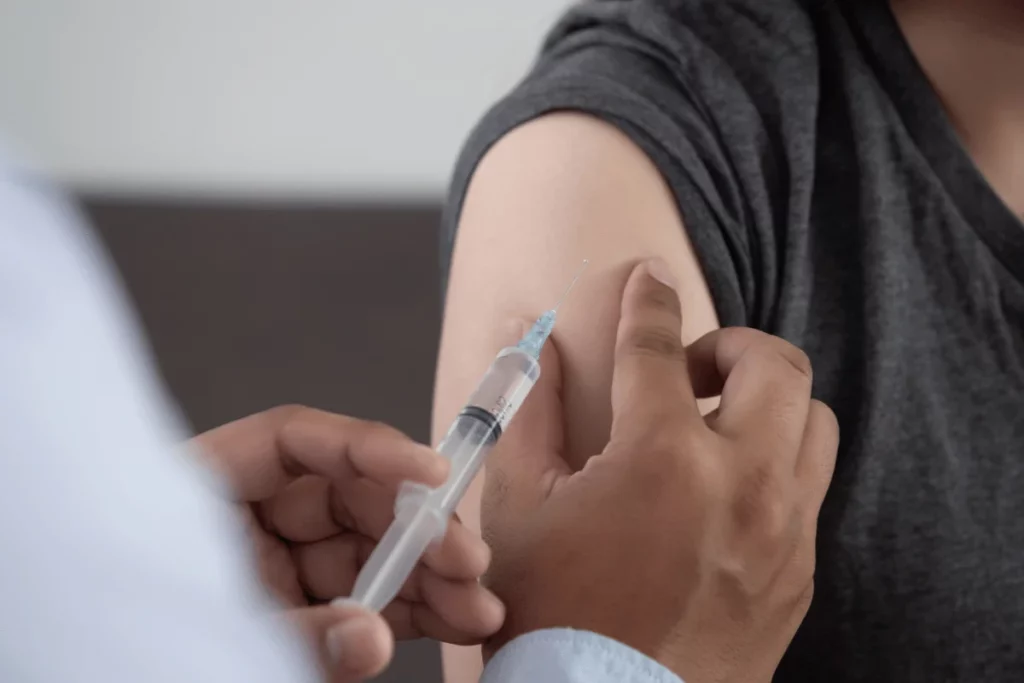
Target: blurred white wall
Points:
(321, 98)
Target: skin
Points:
(549, 194)
(566, 187)
(688, 537)
(317, 491)
(973, 54)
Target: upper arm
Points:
(552, 192)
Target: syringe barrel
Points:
(421, 513)
(479, 426)
(396, 555)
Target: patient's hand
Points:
(689, 538)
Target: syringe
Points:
(422, 513)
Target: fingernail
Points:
(661, 272)
(341, 638)
(346, 601)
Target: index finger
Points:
(262, 453)
(764, 381)
(650, 377)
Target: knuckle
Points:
(821, 446)
(789, 360)
(376, 428)
(808, 564)
(761, 506)
(286, 412)
(656, 468)
(786, 408)
(829, 422)
(291, 434)
(670, 454)
(364, 433)
(804, 599)
(660, 299)
(797, 358)
(693, 441)
(654, 341)
(772, 353)
(664, 445)
(774, 520)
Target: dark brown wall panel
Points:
(249, 306)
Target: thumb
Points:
(528, 457)
(353, 644)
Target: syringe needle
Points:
(586, 262)
(534, 340)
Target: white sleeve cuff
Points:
(568, 656)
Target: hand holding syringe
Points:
(421, 513)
